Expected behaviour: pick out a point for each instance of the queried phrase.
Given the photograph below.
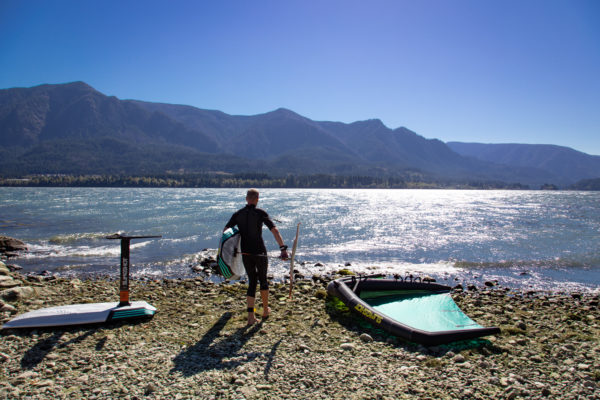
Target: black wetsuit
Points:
(249, 221)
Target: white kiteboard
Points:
(79, 314)
(229, 255)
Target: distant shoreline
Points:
(320, 181)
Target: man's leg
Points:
(262, 267)
(251, 317)
(252, 282)
(264, 295)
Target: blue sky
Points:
(504, 71)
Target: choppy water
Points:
(523, 239)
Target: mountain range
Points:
(74, 129)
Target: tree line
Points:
(248, 180)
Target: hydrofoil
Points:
(92, 313)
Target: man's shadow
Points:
(212, 354)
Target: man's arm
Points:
(277, 236)
(231, 223)
(280, 242)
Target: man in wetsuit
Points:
(249, 221)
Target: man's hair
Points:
(252, 194)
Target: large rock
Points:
(4, 269)
(17, 293)
(8, 282)
(10, 244)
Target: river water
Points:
(523, 239)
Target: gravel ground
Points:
(197, 346)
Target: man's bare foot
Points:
(266, 313)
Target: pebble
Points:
(43, 383)
(365, 337)
(459, 358)
(304, 348)
(27, 375)
(198, 346)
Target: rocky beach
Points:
(198, 346)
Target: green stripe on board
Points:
(131, 313)
(224, 269)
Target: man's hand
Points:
(284, 254)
